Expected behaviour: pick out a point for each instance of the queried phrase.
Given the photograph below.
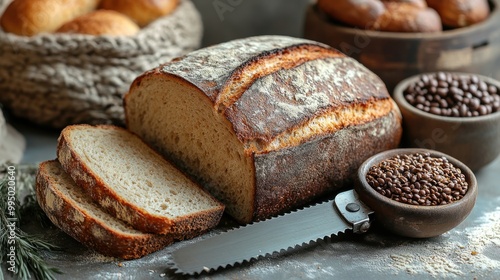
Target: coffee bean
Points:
(492, 89)
(441, 76)
(420, 99)
(446, 94)
(418, 179)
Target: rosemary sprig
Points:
(24, 247)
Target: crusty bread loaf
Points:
(132, 182)
(31, 17)
(142, 12)
(73, 211)
(101, 22)
(460, 13)
(265, 123)
(386, 15)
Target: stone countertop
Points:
(470, 251)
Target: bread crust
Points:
(320, 166)
(326, 86)
(211, 69)
(88, 229)
(32, 17)
(182, 228)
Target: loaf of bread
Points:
(135, 184)
(142, 12)
(265, 123)
(386, 15)
(31, 17)
(73, 211)
(460, 13)
(101, 22)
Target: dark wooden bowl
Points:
(395, 56)
(412, 220)
(475, 141)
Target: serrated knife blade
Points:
(345, 212)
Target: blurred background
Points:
(230, 19)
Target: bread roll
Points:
(407, 17)
(266, 123)
(460, 13)
(417, 3)
(388, 15)
(101, 22)
(31, 17)
(142, 12)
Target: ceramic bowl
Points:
(415, 220)
(474, 141)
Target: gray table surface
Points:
(470, 251)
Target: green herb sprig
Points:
(27, 247)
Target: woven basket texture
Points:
(60, 79)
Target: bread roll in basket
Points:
(57, 79)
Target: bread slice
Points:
(72, 210)
(134, 183)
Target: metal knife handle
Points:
(353, 210)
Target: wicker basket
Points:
(61, 79)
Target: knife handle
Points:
(353, 210)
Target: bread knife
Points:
(288, 231)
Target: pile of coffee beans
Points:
(418, 179)
(453, 95)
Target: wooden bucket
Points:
(395, 56)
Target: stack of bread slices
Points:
(113, 193)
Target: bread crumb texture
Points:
(136, 173)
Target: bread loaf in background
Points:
(386, 15)
(264, 123)
(460, 13)
(406, 15)
(101, 22)
(142, 12)
(31, 17)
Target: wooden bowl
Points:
(473, 140)
(395, 56)
(415, 220)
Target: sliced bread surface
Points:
(134, 183)
(73, 211)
